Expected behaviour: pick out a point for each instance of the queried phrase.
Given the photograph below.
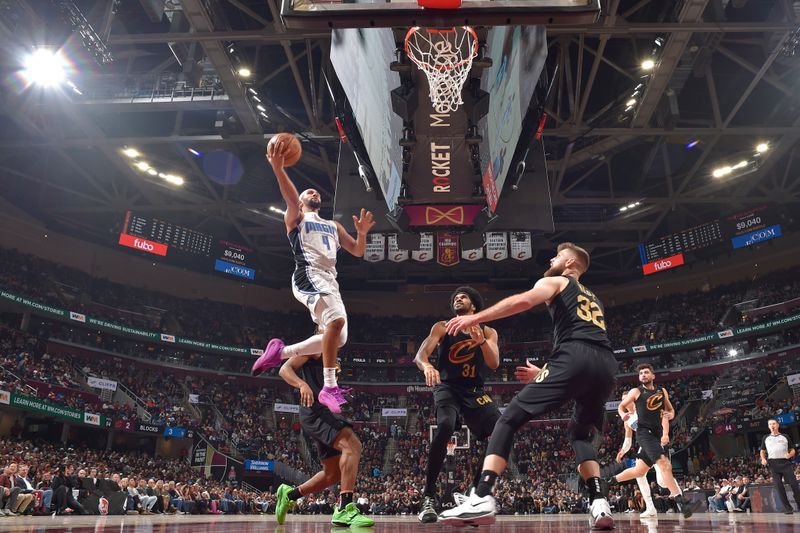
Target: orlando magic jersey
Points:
(314, 242)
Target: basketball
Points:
(294, 150)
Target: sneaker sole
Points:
(481, 520)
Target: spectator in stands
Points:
(13, 499)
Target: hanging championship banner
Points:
(425, 252)
(447, 248)
(375, 251)
(496, 245)
(396, 255)
(472, 255)
(521, 245)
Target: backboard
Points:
(328, 14)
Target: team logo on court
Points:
(655, 402)
(461, 352)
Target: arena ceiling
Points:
(160, 76)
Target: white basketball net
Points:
(445, 56)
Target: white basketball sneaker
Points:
(649, 513)
(600, 515)
(459, 498)
(476, 511)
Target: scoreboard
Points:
(742, 229)
(695, 238)
(186, 246)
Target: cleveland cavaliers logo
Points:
(454, 215)
(461, 352)
(655, 402)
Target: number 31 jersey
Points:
(578, 316)
(314, 242)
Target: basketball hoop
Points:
(445, 56)
(451, 449)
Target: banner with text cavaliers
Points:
(663, 264)
(496, 245)
(447, 248)
(425, 252)
(396, 255)
(375, 249)
(521, 245)
(137, 243)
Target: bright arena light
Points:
(762, 147)
(733, 352)
(142, 165)
(131, 152)
(648, 64)
(631, 102)
(721, 171)
(244, 72)
(45, 67)
(173, 179)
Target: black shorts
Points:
(323, 426)
(578, 371)
(473, 405)
(650, 449)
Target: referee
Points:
(777, 450)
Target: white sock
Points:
(644, 488)
(329, 376)
(310, 346)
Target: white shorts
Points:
(324, 302)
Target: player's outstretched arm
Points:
(276, 155)
(544, 290)
(422, 359)
(627, 401)
(363, 224)
(289, 374)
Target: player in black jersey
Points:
(339, 448)
(580, 368)
(458, 391)
(652, 406)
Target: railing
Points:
(141, 405)
(30, 390)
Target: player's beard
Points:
(313, 204)
(555, 270)
(463, 310)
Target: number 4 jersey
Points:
(315, 242)
(578, 316)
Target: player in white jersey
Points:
(314, 242)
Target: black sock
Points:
(344, 499)
(486, 483)
(436, 456)
(294, 494)
(596, 488)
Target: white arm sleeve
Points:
(626, 444)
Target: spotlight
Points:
(142, 165)
(648, 64)
(152, 171)
(45, 67)
(194, 152)
(244, 72)
(631, 206)
(131, 152)
(277, 210)
(175, 180)
(623, 208)
(691, 144)
(631, 102)
(253, 91)
(261, 108)
(740, 164)
(762, 147)
(722, 171)
(733, 352)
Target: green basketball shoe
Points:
(284, 503)
(350, 516)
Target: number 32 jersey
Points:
(578, 316)
(314, 242)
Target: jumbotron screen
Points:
(185, 246)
